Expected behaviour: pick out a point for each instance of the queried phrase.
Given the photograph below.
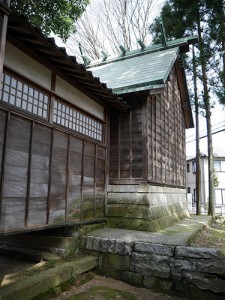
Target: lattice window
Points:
(24, 96)
(67, 116)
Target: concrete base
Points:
(145, 207)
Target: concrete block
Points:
(148, 264)
(216, 266)
(179, 265)
(141, 225)
(127, 198)
(156, 212)
(100, 244)
(115, 261)
(132, 278)
(116, 246)
(189, 252)
(203, 281)
(153, 226)
(137, 211)
(157, 249)
(115, 210)
(165, 221)
(89, 242)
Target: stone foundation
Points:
(145, 207)
(194, 273)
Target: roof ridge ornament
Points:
(104, 54)
(123, 50)
(141, 43)
(86, 59)
(163, 32)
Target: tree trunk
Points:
(208, 124)
(198, 170)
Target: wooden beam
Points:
(29, 174)
(7, 122)
(4, 11)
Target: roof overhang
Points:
(23, 35)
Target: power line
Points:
(203, 136)
(203, 133)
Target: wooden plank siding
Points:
(149, 139)
(127, 144)
(48, 175)
(166, 136)
(4, 11)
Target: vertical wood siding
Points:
(150, 139)
(47, 175)
(166, 136)
(126, 144)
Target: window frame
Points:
(28, 97)
(222, 194)
(80, 121)
(188, 168)
(221, 165)
(194, 167)
(52, 98)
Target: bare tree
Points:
(107, 24)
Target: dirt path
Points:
(103, 288)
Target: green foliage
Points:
(57, 16)
(216, 180)
(199, 17)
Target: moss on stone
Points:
(137, 211)
(133, 278)
(132, 224)
(115, 261)
(116, 210)
(153, 226)
(84, 229)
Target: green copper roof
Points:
(141, 69)
(142, 72)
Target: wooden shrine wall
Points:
(166, 136)
(127, 144)
(148, 143)
(51, 172)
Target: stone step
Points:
(40, 283)
(29, 254)
(41, 239)
(60, 245)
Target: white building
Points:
(219, 167)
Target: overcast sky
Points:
(218, 123)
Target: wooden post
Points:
(4, 12)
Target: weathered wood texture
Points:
(148, 143)
(126, 144)
(4, 6)
(166, 136)
(47, 175)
